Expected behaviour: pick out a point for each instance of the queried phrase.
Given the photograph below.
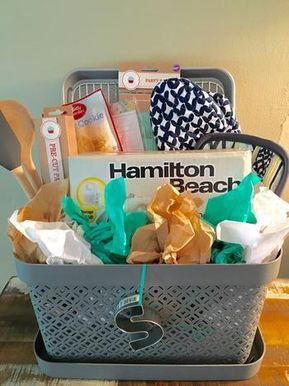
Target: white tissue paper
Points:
(269, 208)
(59, 243)
(263, 240)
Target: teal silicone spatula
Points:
(10, 156)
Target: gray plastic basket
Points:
(209, 313)
(83, 81)
(180, 372)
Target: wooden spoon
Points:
(20, 121)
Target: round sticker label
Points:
(130, 80)
(50, 130)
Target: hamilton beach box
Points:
(205, 174)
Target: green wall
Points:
(40, 41)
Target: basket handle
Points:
(214, 139)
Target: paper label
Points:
(51, 132)
(134, 299)
(132, 79)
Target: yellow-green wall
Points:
(40, 41)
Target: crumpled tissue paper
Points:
(263, 240)
(235, 205)
(45, 206)
(177, 235)
(227, 253)
(58, 243)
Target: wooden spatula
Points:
(20, 121)
(10, 151)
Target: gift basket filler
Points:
(149, 240)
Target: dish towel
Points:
(182, 112)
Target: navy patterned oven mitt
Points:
(182, 112)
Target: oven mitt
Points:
(182, 112)
(262, 161)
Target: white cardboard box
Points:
(205, 173)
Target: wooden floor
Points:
(18, 327)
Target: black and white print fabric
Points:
(182, 112)
(262, 161)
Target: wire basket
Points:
(83, 81)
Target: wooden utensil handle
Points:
(24, 182)
(35, 176)
(32, 173)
